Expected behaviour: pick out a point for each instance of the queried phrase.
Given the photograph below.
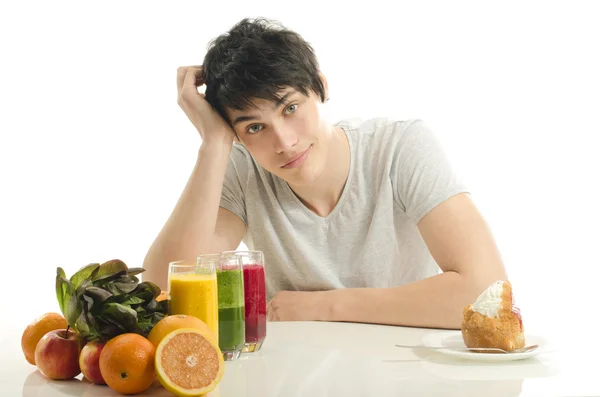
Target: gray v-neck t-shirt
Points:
(398, 173)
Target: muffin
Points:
(493, 321)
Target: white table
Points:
(343, 359)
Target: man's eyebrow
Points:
(283, 99)
(279, 102)
(241, 119)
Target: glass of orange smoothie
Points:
(193, 290)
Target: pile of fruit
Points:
(115, 331)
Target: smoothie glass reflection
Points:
(230, 282)
(193, 291)
(253, 265)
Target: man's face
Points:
(289, 138)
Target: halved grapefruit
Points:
(188, 362)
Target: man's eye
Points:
(291, 109)
(253, 129)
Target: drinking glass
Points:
(193, 291)
(253, 265)
(230, 285)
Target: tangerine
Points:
(127, 363)
(37, 329)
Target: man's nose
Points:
(285, 138)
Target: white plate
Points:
(454, 339)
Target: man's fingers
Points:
(189, 91)
(269, 312)
(192, 78)
(182, 72)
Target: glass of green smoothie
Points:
(230, 286)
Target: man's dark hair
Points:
(257, 58)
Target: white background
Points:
(95, 151)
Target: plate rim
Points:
(440, 334)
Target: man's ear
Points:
(325, 85)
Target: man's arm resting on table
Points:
(462, 245)
(228, 233)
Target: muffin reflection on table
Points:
(493, 321)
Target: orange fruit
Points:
(127, 363)
(163, 296)
(176, 321)
(37, 329)
(188, 362)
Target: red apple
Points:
(57, 354)
(89, 362)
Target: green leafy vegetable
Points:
(83, 274)
(101, 301)
(63, 289)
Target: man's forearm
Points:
(191, 226)
(435, 302)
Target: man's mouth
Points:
(297, 160)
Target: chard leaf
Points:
(135, 270)
(163, 307)
(147, 291)
(110, 269)
(108, 330)
(98, 294)
(63, 290)
(152, 306)
(147, 321)
(82, 288)
(93, 335)
(73, 310)
(132, 300)
(86, 324)
(88, 303)
(111, 326)
(144, 294)
(121, 315)
(103, 301)
(81, 325)
(86, 272)
(118, 288)
(145, 325)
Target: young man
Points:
(355, 219)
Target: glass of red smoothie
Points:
(253, 264)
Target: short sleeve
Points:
(232, 194)
(421, 173)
